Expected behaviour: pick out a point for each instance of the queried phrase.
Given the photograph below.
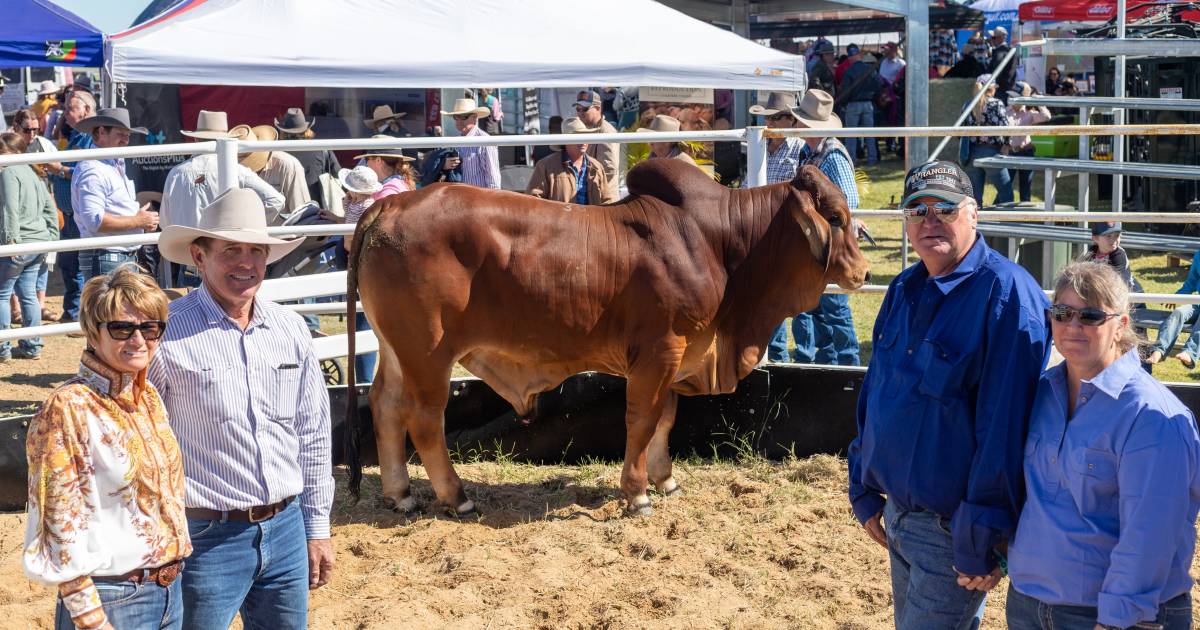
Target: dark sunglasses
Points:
(151, 329)
(945, 211)
(778, 117)
(30, 129)
(1088, 316)
(462, 116)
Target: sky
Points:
(110, 16)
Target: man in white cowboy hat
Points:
(480, 166)
(676, 150)
(826, 333)
(590, 109)
(570, 175)
(103, 197)
(279, 169)
(244, 390)
(295, 126)
(384, 120)
(192, 185)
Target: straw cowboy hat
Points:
(360, 179)
(236, 215)
(46, 88)
(109, 117)
(463, 106)
(662, 122)
(776, 102)
(384, 152)
(210, 126)
(257, 160)
(574, 125)
(380, 114)
(294, 121)
(816, 111)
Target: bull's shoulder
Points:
(674, 182)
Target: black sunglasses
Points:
(462, 116)
(29, 129)
(778, 117)
(1088, 316)
(151, 329)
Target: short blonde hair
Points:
(105, 298)
(1100, 286)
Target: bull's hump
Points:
(672, 181)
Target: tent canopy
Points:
(40, 33)
(1088, 10)
(418, 43)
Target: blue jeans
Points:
(1183, 315)
(20, 273)
(924, 588)
(861, 114)
(823, 335)
(68, 266)
(260, 569)
(97, 262)
(1024, 178)
(364, 364)
(1026, 613)
(131, 605)
(999, 177)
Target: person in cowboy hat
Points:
(295, 126)
(244, 390)
(103, 197)
(46, 93)
(677, 150)
(570, 175)
(825, 334)
(480, 166)
(820, 70)
(590, 109)
(392, 168)
(192, 185)
(279, 169)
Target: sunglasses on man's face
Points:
(778, 117)
(151, 329)
(30, 129)
(1088, 316)
(461, 116)
(944, 210)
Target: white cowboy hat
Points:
(383, 152)
(236, 215)
(662, 122)
(380, 114)
(816, 110)
(574, 125)
(464, 106)
(257, 160)
(210, 126)
(360, 179)
(47, 87)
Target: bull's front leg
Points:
(659, 457)
(647, 396)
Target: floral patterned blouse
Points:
(105, 486)
(995, 114)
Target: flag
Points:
(62, 50)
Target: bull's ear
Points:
(812, 224)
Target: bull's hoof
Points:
(639, 507)
(464, 511)
(669, 488)
(407, 505)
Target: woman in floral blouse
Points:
(106, 495)
(989, 111)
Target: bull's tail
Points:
(353, 460)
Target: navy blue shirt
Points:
(943, 412)
(581, 186)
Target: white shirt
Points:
(191, 186)
(890, 68)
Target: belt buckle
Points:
(167, 574)
(266, 513)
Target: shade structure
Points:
(41, 33)
(418, 43)
(1090, 10)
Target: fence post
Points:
(227, 163)
(756, 157)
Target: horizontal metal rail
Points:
(1103, 167)
(1088, 47)
(1110, 102)
(1020, 215)
(1016, 130)
(1141, 241)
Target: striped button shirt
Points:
(480, 165)
(249, 408)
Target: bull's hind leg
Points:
(647, 395)
(390, 431)
(424, 403)
(659, 458)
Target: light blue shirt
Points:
(1112, 495)
(100, 187)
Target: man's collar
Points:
(216, 314)
(965, 268)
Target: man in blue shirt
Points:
(825, 334)
(1183, 315)
(935, 472)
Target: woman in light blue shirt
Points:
(1106, 535)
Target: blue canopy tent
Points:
(41, 33)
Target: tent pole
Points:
(916, 79)
(1118, 154)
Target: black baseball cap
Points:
(1105, 227)
(942, 179)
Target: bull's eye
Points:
(835, 221)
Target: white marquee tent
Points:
(425, 43)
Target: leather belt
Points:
(163, 576)
(255, 514)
